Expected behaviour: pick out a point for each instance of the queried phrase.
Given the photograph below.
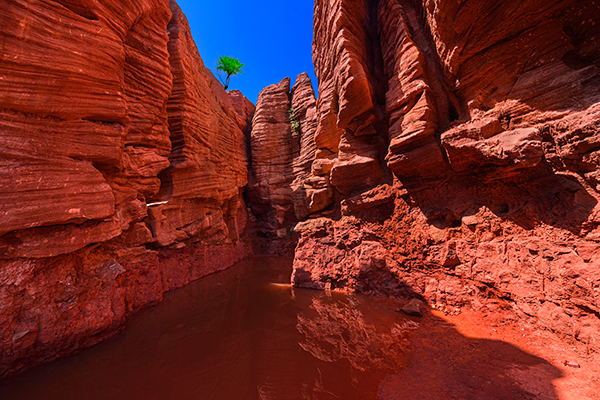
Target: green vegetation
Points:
(294, 123)
(229, 65)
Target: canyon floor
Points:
(487, 355)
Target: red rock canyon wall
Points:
(453, 154)
(282, 153)
(122, 163)
(460, 143)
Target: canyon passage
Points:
(452, 156)
(244, 333)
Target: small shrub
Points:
(294, 123)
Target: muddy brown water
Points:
(246, 334)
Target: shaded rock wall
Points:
(304, 110)
(122, 162)
(282, 150)
(463, 140)
(350, 134)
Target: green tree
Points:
(230, 66)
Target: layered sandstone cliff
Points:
(462, 148)
(453, 155)
(282, 152)
(122, 163)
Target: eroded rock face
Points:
(488, 117)
(349, 135)
(244, 108)
(270, 190)
(115, 142)
(282, 152)
(453, 155)
(483, 260)
(208, 164)
(304, 107)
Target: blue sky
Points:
(273, 38)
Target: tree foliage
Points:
(229, 65)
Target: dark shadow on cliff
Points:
(580, 61)
(497, 63)
(536, 196)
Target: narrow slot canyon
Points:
(421, 221)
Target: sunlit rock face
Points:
(460, 145)
(116, 141)
(453, 154)
(208, 162)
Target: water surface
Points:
(240, 334)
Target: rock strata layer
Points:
(453, 155)
(282, 151)
(460, 143)
(117, 147)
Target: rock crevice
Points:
(453, 154)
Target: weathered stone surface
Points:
(82, 59)
(353, 173)
(334, 256)
(507, 152)
(244, 108)
(114, 137)
(38, 192)
(271, 140)
(414, 97)
(304, 106)
(79, 82)
(57, 240)
(414, 307)
(541, 274)
(283, 150)
(138, 172)
(490, 115)
(558, 73)
(349, 136)
(28, 135)
(375, 203)
(453, 155)
(343, 68)
(138, 235)
(208, 162)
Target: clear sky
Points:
(273, 38)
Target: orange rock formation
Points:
(462, 150)
(121, 174)
(453, 154)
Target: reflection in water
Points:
(357, 328)
(237, 336)
(234, 335)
